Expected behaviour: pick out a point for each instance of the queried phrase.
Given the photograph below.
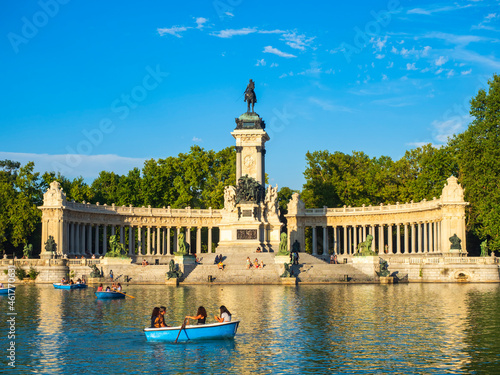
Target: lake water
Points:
(312, 329)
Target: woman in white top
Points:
(225, 315)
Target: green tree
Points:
(478, 158)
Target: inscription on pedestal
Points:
(246, 213)
(246, 234)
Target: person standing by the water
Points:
(111, 274)
(225, 315)
(201, 315)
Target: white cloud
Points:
(274, 65)
(394, 50)
(485, 23)
(384, 77)
(328, 105)
(465, 72)
(462, 40)
(450, 73)
(447, 128)
(391, 64)
(269, 49)
(175, 30)
(229, 33)
(76, 165)
(411, 66)
(379, 56)
(196, 139)
(261, 62)
(431, 10)
(229, 14)
(297, 41)
(200, 22)
(441, 61)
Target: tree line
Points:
(333, 179)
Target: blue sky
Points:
(91, 86)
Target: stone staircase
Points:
(315, 270)
(310, 270)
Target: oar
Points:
(128, 295)
(182, 327)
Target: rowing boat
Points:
(109, 295)
(214, 331)
(6, 290)
(69, 286)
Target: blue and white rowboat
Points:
(213, 331)
(69, 286)
(5, 291)
(109, 295)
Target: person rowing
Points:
(201, 315)
(158, 317)
(225, 315)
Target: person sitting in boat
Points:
(64, 281)
(201, 315)
(119, 287)
(158, 317)
(1, 285)
(113, 286)
(83, 281)
(99, 288)
(108, 289)
(225, 315)
(79, 281)
(71, 282)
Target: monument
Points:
(250, 218)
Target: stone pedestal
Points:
(366, 264)
(185, 260)
(386, 280)
(280, 259)
(288, 281)
(172, 282)
(108, 261)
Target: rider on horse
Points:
(250, 96)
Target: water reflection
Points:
(351, 329)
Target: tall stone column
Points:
(113, 230)
(209, 240)
(349, 240)
(398, 239)
(354, 241)
(434, 245)
(66, 238)
(164, 242)
(140, 242)
(381, 239)
(122, 235)
(89, 238)
(389, 239)
(314, 242)
(364, 232)
(439, 241)
(158, 241)
(82, 239)
(198, 240)
(425, 249)
(407, 242)
(71, 238)
(188, 239)
(149, 241)
(413, 238)
(77, 239)
(238, 162)
(258, 164)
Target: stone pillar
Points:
(258, 164)
(77, 239)
(238, 162)
(325, 240)
(389, 239)
(420, 237)
(89, 238)
(71, 238)
(66, 238)
(198, 240)
(168, 242)
(209, 240)
(398, 239)
(187, 236)
(153, 241)
(158, 241)
(354, 234)
(148, 246)
(131, 241)
(364, 232)
(82, 239)
(113, 230)
(439, 236)
(425, 249)
(413, 238)
(435, 242)
(374, 238)
(104, 239)
(407, 242)
(381, 239)
(314, 242)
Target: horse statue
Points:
(250, 96)
(364, 248)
